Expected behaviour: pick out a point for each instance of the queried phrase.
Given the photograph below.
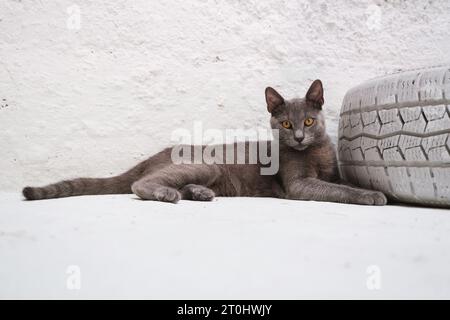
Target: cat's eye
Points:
(309, 122)
(286, 124)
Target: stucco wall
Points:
(93, 94)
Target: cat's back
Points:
(243, 174)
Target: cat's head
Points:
(300, 121)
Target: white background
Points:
(231, 248)
(95, 98)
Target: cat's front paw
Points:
(374, 198)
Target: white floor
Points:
(120, 247)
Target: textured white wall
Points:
(94, 100)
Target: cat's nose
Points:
(298, 136)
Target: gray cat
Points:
(307, 167)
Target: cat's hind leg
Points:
(187, 181)
(197, 193)
(147, 190)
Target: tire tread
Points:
(394, 136)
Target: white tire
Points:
(394, 136)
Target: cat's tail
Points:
(78, 187)
(87, 186)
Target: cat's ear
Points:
(273, 99)
(315, 94)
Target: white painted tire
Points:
(394, 136)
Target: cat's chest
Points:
(321, 165)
